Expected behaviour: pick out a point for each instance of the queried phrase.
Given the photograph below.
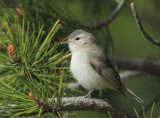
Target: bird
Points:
(91, 67)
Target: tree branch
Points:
(109, 19)
(90, 104)
(124, 75)
(131, 74)
(78, 104)
(147, 36)
(148, 66)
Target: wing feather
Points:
(102, 65)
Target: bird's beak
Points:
(64, 42)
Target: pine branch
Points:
(144, 33)
(106, 22)
(88, 104)
(124, 75)
(148, 66)
(131, 74)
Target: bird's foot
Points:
(86, 96)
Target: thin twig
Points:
(150, 105)
(131, 74)
(147, 36)
(124, 75)
(73, 85)
(110, 19)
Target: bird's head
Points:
(79, 40)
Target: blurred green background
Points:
(124, 40)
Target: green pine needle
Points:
(32, 70)
(152, 110)
(136, 113)
(109, 114)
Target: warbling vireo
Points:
(91, 67)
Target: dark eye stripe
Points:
(77, 38)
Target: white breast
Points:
(85, 74)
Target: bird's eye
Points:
(77, 38)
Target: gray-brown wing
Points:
(102, 65)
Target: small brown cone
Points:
(12, 52)
(19, 12)
(31, 95)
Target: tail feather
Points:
(133, 95)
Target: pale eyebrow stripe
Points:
(80, 35)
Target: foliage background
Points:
(124, 35)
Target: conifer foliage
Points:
(30, 65)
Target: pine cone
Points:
(19, 12)
(12, 52)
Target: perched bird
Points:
(91, 67)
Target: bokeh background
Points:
(121, 38)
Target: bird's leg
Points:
(88, 93)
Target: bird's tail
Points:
(133, 95)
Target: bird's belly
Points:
(86, 75)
